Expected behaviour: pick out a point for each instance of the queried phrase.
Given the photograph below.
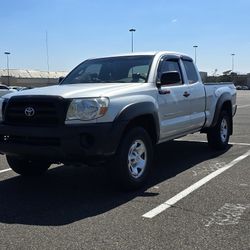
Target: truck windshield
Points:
(123, 69)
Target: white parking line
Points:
(240, 143)
(159, 209)
(5, 170)
(231, 143)
(244, 106)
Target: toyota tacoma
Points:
(114, 110)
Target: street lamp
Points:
(195, 55)
(8, 69)
(232, 61)
(132, 39)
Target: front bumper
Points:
(64, 143)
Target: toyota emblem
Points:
(29, 111)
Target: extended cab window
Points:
(170, 65)
(191, 71)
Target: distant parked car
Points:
(244, 88)
(4, 89)
(2, 86)
(25, 88)
(19, 88)
(15, 87)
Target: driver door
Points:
(174, 105)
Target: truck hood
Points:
(78, 90)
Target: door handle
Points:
(186, 94)
(164, 92)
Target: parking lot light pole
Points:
(195, 55)
(8, 69)
(232, 61)
(132, 39)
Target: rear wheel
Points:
(27, 167)
(218, 136)
(133, 160)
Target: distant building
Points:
(30, 78)
(248, 80)
(240, 79)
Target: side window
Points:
(191, 71)
(170, 65)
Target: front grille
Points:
(38, 111)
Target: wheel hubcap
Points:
(137, 158)
(223, 130)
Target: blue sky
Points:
(79, 29)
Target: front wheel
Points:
(26, 167)
(133, 160)
(218, 136)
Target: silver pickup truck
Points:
(114, 110)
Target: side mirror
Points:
(60, 79)
(170, 77)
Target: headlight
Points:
(87, 109)
(1, 108)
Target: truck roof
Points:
(150, 53)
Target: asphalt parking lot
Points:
(195, 199)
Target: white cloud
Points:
(174, 21)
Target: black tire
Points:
(27, 167)
(124, 173)
(218, 136)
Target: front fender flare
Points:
(135, 110)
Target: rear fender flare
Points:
(222, 99)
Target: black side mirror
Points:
(60, 79)
(170, 77)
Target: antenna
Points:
(47, 52)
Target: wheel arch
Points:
(224, 103)
(141, 114)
